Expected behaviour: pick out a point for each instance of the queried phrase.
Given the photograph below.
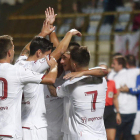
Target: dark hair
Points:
(81, 56)
(40, 43)
(116, 54)
(5, 45)
(130, 59)
(72, 45)
(121, 60)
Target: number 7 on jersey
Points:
(94, 97)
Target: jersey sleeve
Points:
(61, 91)
(23, 57)
(97, 68)
(134, 91)
(27, 76)
(40, 65)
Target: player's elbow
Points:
(51, 81)
(48, 81)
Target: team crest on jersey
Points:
(110, 94)
(84, 120)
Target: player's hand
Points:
(118, 118)
(124, 89)
(46, 29)
(50, 16)
(73, 75)
(75, 32)
(52, 62)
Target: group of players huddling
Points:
(50, 93)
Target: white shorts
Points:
(53, 135)
(136, 126)
(35, 134)
(9, 138)
(88, 136)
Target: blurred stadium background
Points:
(107, 26)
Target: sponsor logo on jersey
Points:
(4, 108)
(94, 119)
(85, 120)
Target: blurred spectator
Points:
(11, 2)
(112, 73)
(77, 9)
(127, 102)
(110, 117)
(136, 20)
(135, 91)
(109, 6)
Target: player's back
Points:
(88, 101)
(10, 100)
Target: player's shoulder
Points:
(69, 82)
(21, 58)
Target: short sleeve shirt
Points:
(111, 90)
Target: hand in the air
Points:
(50, 16)
(46, 29)
(75, 32)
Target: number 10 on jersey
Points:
(94, 97)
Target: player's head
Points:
(80, 58)
(119, 62)
(130, 61)
(6, 48)
(65, 59)
(40, 47)
(116, 54)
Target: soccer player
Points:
(39, 48)
(87, 99)
(13, 78)
(57, 104)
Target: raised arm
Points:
(98, 72)
(50, 16)
(63, 45)
(51, 76)
(46, 30)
